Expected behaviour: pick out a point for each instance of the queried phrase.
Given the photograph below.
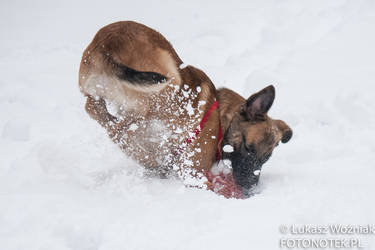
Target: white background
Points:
(64, 185)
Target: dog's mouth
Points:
(223, 184)
(236, 175)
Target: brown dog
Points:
(167, 118)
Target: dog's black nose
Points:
(286, 136)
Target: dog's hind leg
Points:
(115, 127)
(97, 110)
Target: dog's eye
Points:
(250, 148)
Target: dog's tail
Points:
(143, 81)
(141, 78)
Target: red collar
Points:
(212, 108)
(221, 183)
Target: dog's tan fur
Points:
(178, 105)
(144, 49)
(265, 133)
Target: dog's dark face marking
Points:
(253, 136)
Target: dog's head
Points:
(251, 138)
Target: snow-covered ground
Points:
(64, 185)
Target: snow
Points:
(228, 148)
(133, 127)
(227, 163)
(190, 110)
(64, 185)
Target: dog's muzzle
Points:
(246, 170)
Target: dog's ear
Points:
(259, 103)
(285, 130)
